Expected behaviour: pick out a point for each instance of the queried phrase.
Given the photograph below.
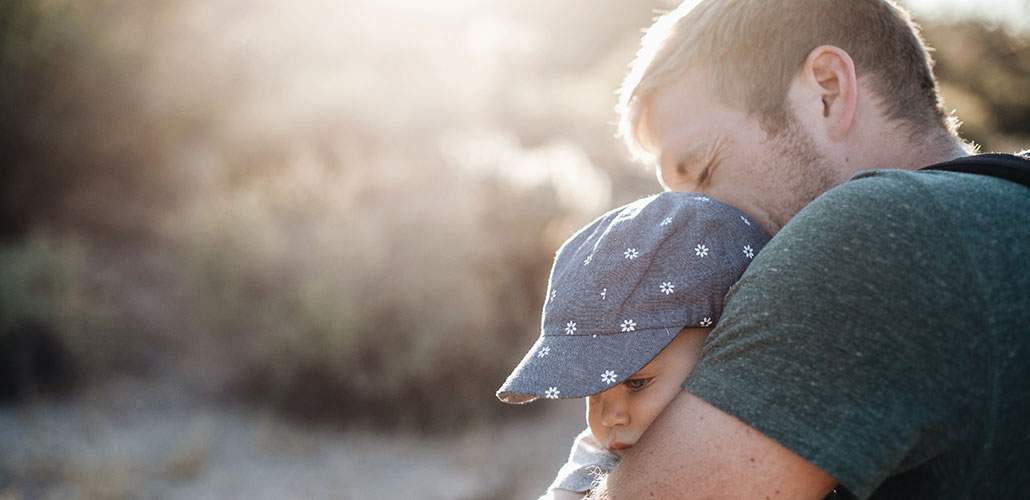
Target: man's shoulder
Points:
(948, 179)
(884, 190)
(885, 227)
(874, 201)
(879, 202)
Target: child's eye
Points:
(636, 384)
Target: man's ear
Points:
(829, 90)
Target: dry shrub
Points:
(49, 320)
(277, 209)
(339, 209)
(347, 293)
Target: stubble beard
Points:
(804, 173)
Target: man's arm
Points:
(719, 457)
(837, 344)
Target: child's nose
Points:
(615, 411)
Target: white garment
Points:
(588, 462)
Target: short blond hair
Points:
(754, 48)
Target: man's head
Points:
(767, 103)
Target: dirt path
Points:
(147, 442)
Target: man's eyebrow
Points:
(712, 160)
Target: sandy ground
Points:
(151, 442)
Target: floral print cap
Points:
(624, 286)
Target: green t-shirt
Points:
(884, 336)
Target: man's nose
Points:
(614, 411)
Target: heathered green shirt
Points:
(884, 336)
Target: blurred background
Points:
(264, 249)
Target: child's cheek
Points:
(594, 419)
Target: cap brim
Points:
(577, 366)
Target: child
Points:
(630, 300)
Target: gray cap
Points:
(624, 286)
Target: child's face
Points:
(619, 416)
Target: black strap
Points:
(1009, 167)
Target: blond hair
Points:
(753, 49)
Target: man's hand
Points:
(694, 450)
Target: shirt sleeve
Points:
(588, 461)
(851, 340)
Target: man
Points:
(881, 343)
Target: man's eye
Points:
(703, 176)
(636, 384)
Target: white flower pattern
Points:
(604, 293)
(608, 377)
(706, 322)
(666, 221)
(667, 288)
(570, 327)
(631, 253)
(745, 220)
(628, 325)
(543, 352)
(749, 252)
(589, 259)
(701, 251)
(552, 393)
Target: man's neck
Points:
(907, 155)
(941, 149)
